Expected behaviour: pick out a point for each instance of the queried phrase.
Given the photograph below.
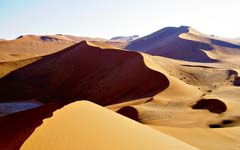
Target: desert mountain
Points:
(185, 43)
(125, 38)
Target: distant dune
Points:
(29, 46)
(77, 39)
(183, 43)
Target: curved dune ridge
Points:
(184, 43)
(195, 100)
(84, 71)
(84, 125)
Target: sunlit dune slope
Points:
(84, 125)
(200, 95)
(84, 71)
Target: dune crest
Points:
(186, 43)
(76, 125)
(166, 42)
(182, 82)
(82, 71)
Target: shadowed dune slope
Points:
(84, 125)
(7, 67)
(129, 112)
(182, 43)
(17, 127)
(83, 71)
(213, 105)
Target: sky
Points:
(109, 18)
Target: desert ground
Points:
(176, 88)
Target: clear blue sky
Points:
(108, 18)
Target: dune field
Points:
(176, 88)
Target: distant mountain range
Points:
(125, 38)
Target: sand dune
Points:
(206, 139)
(77, 125)
(167, 43)
(77, 39)
(172, 111)
(185, 43)
(7, 67)
(15, 128)
(189, 84)
(175, 105)
(187, 88)
(29, 46)
(83, 71)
